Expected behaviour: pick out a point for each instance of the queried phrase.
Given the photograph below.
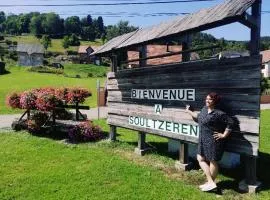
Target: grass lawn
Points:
(56, 43)
(42, 168)
(19, 79)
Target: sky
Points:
(137, 15)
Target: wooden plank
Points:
(74, 107)
(201, 65)
(233, 145)
(248, 125)
(187, 76)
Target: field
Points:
(19, 79)
(42, 168)
(56, 43)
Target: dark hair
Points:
(216, 98)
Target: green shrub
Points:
(71, 52)
(13, 55)
(90, 75)
(49, 70)
(2, 68)
(8, 42)
(264, 84)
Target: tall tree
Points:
(100, 24)
(52, 24)
(89, 20)
(65, 42)
(73, 25)
(36, 25)
(46, 41)
(2, 17)
(11, 24)
(120, 28)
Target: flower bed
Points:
(43, 102)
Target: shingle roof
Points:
(265, 56)
(83, 48)
(30, 48)
(199, 20)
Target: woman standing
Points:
(215, 127)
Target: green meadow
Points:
(34, 167)
(20, 79)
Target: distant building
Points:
(266, 63)
(84, 52)
(154, 50)
(30, 54)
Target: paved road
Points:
(6, 120)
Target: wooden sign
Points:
(153, 99)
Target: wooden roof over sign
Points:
(225, 13)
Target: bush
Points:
(77, 95)
(71, 52)
(2, 37)
(28, 100)
(47, 102)
(15, 43)
(13, 55)
(264, 84)
(49, 70)
(2, 68)
(8, 42)
(90, 74)
(13, 100)
(85, 132)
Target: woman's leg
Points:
(205, 167)
(213, 169)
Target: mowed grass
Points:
(19, 79)
(41, 168)
(85, 70)
(56, 43)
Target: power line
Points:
(126, 14)
(105, 4)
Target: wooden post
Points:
(28, 114)
(256, 30)
(53, 116)
(114, 63)
(142, 148)
(143, 54)
(112, 134)
(77, 111)
(183, 162)
(250, 183)
(186, 43)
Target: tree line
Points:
(87, 28)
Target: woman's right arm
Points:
(191, 113)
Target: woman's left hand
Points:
(218, 136)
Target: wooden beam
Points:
(256, 31)
(173, 53)
(114, 62)
(142, 56)
(248, 20)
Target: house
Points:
(266, 63)
(30, 54)
(84, 52)
(154, 50)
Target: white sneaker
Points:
(209, 187)
(203, 185)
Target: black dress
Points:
(217, 121)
